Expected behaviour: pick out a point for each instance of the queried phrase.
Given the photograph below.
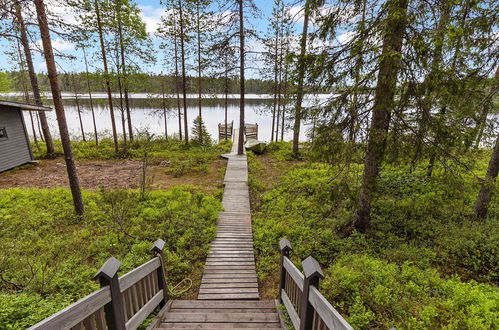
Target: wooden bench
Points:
(299, 293)
(251, 131)
(225, 133)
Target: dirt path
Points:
(111, 174)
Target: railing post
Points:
(114, 311)
(312, 274)
(157, 251)
(285, 247)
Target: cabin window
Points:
(3, 133)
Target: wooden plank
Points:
(326, 311)
(294, 272)
(229, 280)
(191, 325)
(221, 304)
(75, 313)
(225, 310)
(144, 312)
(229, 285)
(228, 296)
(234, 276)
(138, 273)
(221, 317)
(293, 315)
(229, 271)
(204, 290)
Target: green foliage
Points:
(5, 82)
(52, 254)
(200, 134)
(375, 294)
(404, 271)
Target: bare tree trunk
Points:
(301, 78)
(182, 54)
(122, 109)
(124, 73)
(177, 91)
(78, 109)
(40, 134)
(383, 105)
(164, 108)
(226, 92)
(47, 137)
(240, 147)
(74, 182)
(22, 71)
(485, 194)
(90, 98)
(285, 100)
(199, 70)
(106, 75)
(274, 106)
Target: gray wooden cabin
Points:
(15, 149)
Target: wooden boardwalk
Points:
(228, 296)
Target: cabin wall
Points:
(14, 149)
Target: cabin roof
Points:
(24, 106)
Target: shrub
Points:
(46, 251)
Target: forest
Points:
(381, 160)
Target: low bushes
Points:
(48, 256)
(419, 265)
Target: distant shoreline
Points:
(102, 95)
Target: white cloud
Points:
(58, 44)
(152, 17)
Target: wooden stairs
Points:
(228, 297)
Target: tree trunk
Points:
(164, 108)
(120, 89)
(275, 88)
(285, 94)
(240, 147)
(124, 73)
(457, 51)
(22, 71)
(74, 182)
(430, 82)
(182, 54)
(106, 75)
(486, 109)
(90, 98)
(78, 109)
(177, 91)
(226, 92)
(485, 194)
(47, 137)
(199, 70)
(301, 78)
(383, 105)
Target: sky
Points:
(151, 11)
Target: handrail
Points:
(306, 306)
(121, 302)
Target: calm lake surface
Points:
(147, 113)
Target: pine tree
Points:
(199, 132)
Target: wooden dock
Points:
(228, 297)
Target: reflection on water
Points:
(148, 114)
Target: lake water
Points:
(147, 113)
